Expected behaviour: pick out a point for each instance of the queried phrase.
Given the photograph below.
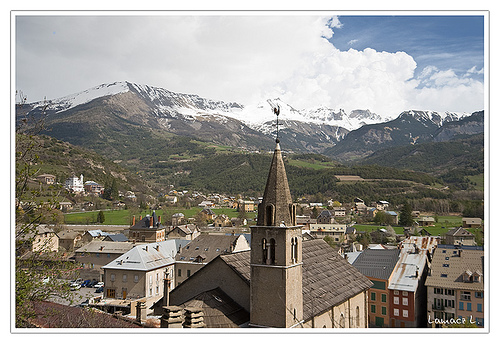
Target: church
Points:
(283, 281)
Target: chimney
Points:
(140, 217)
(172, 317)
(151, 222)
(193, 318)
(133, 220)
(159, 219)
(140, 311)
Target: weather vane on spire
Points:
(276, 110)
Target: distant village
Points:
(176, 273)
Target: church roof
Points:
(219, 310)
(328, 279)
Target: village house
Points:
(69, 240)
(305, 221)
(459, 236)
(222, 220)
(74, 184)
(247, 206)
(178, 219)
(208, 214)
(43, 239)
(407, 292)
(382, 205)
(93, 234)
(426, 221)
(276, 282)
(335, 230)
(94, 255)
(378, 266)
(140, 272)
(48, 179)
(455, 285)
(203, 249)
(471, 222)
(325, 217)
(92, 187)
(147, 229)
(238, 222)
(188, 232)
(339, 211)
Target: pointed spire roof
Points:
(276, 207)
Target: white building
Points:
(74, 183)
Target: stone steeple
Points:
(276, 208)
(276, 298)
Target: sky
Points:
(384, 63)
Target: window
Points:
(396, 300)
(461, 306)
(405, 293)
(112, 277)
(110, 293)
(357, 316)
(480, 307)
(396, 292)
(405, 313)
(373, 296)
(179, 272)
(479, 294)
(124, 278)
(136, 278)
(396, 312)
(465, 295)
(444, 275)
(405, 301)
(384, 297)
(188, 273)
(373, 308)
(384, 310)
(446, 265)
(469, 306)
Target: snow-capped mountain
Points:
(123, 104)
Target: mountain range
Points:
(120, 114)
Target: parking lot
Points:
(79, 296)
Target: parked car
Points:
(86, 283)
(75, 286)
(99, 284)
(99, 290)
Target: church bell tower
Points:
(276, 254)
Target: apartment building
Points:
(455, 285)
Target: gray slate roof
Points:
(148, 257)
(327, 278)
(377, 263)
(206, 246)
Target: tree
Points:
(100, 217)
(32, 269)
(405, 217)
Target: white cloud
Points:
(352, 41)
(243, 58)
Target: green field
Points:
(124, 217)
(444, 224)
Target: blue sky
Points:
(387, 64)
(447, 42)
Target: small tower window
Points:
(294, 250)
(271, 252)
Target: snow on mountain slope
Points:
(73, 100)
